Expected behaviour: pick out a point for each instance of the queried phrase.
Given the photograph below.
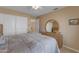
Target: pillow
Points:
(3, 44)
(2, 40)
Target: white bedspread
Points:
(31, 43)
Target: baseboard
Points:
(77, 51)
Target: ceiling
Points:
(41, 11)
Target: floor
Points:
(65, 50)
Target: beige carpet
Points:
(65, 50)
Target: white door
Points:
(8, 24)
(37, 25)
(13, 24)
(21, 25)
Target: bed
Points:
(31, 42)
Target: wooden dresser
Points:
(57, 36)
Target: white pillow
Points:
(2, 40)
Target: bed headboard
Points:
(1, 29)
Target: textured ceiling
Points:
(28, 9)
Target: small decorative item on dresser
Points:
(74, 21)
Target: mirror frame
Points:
(55, 25)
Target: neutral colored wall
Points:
(13, 12)
(70, 32)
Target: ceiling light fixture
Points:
(35, 7)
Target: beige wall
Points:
(13, 12)
(70, 32)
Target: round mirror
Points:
(51, 26)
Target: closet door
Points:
(21, 25)
(37, 25)
(8, 24)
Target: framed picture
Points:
(74, 21)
